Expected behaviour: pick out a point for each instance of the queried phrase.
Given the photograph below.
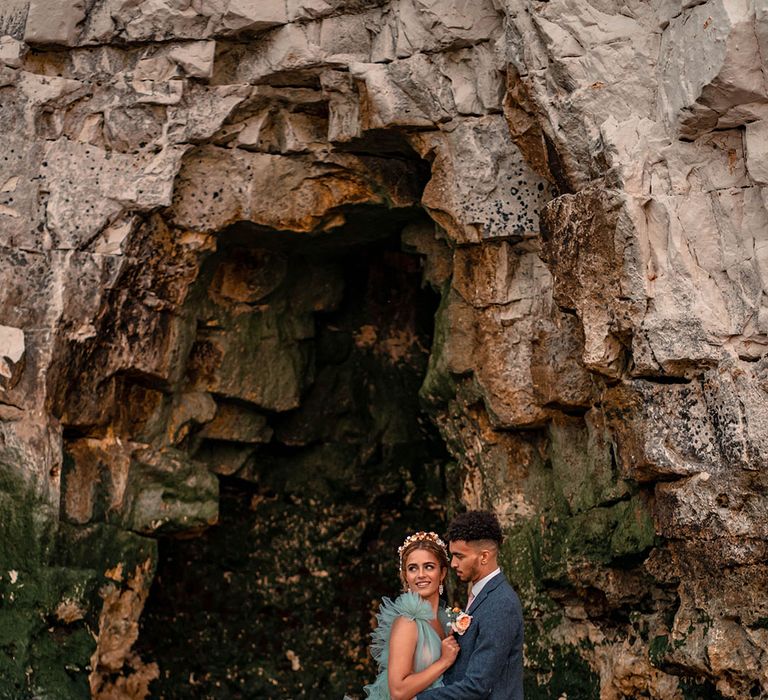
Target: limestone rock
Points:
(11, 51)
(238, 424)
(241, 15)
(74, 217)
(685, 444)
(137, 488)
(166, 491)
(118, 631)
(722, 83)
(219, 187)
(12, 351)
(557, 371)
(202, 206)
(274, 376)
(429, 26)
(408, 92)
(477, 198)
(195, 59)
(477, 79)
(587, 260)
(194, 408)
(756, 142)
(53, 24)
(506, 305)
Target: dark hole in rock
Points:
(314, 354)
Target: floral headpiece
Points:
(418, 537)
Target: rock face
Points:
(225, 228)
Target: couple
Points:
(428, 653)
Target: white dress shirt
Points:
(479, 585)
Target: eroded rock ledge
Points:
(184, 189)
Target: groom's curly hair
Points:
(474, 526)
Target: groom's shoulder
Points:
(506, 594)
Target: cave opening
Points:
(313, 349)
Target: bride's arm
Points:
(404, 684)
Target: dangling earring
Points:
(440, 589)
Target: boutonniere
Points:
(458, 620)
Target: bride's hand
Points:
(450, 650)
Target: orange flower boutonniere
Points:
(458, 620)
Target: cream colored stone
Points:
(12, 349)
(405, 93)
(195, 59)
(161, 93)
(635, 316)
(218, 187)
(478, 193)
(432, 25)
(343, 106)
(54, 21)
(348, 38)
(245, 15)
(756, 143)
(307, 9)
(476, 77)
(76, 170)
(709, 64)
(12, 51)
(287, 48)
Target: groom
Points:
(490, 663)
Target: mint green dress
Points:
(428, 644)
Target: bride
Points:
(411, 643)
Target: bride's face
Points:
(422, 573)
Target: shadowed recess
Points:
(318, 489)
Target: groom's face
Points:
(465, 560)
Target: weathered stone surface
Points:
(478, 198)
(187, 191)
(53, 23)
(756, 144)
(136, 488)
(272, 376)
(723, 82)
(677, 439)
(506, 305)
(11, 51)
(238, 424)
(557, 372)
(166, 491)
(585, 245)
(218, 187)
(428, 26)
(76, 171)
(190, 409)
(116, 670)
(12, 351)
(244, 16)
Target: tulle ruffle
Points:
(413, 607)
(410, 605)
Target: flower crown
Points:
(418, 537)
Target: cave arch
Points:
(320, 476)
(258, 418)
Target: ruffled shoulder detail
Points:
(410, 605)
(413, 606)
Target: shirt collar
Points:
(477, 587)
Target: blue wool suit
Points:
(490, 663)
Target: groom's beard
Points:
(467, 574)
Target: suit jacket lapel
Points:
(487, 588)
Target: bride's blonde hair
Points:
(428, 541)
